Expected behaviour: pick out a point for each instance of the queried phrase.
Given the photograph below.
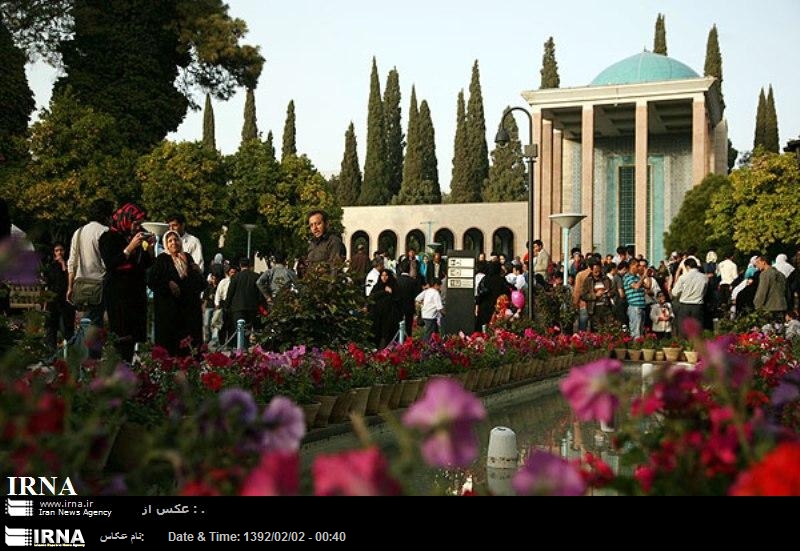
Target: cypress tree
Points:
(459, 177)
(18, 102)
(270, 143)
(209, 139)
(431, 193)
(761, 121)
(289, 144)
(374, 191)
(771, 140)
(349, 185)
(394, 133)
(660, 40)
(713, 64)
(549, 71)
(507, 173)
(249, 128)
(478, 151)
(412, 164)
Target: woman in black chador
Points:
(177, 285)
(124, 288)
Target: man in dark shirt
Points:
(60, 313)
(243, 295)
(323, 246)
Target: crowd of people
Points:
(193, 306)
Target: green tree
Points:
(289, 133)
(394, 133)
(507, 174)
(660, 40)
(760, 138)
(761, 208)
(250, 127)
(77, 156)
(185, 177)
(690, 228)
(430, 165)
(270, 143)
(771, 140)
(125, 57)
(412, 164)
(348, 186)
(460, 174)
(252, 171)
(375, 190)
(18, 100)
(284, 211)
(549, 70)
(733, 153)
(209, 131)
(478, 152)
(713, 64)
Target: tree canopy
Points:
(507, 174)
(250, 125)
(395, 140)
(348, 185)
(690, 228)
(209, 128)
(761, 208)
(374, 190)
(289, 133)
(18, 100)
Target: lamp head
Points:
(502, 139)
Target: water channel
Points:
(536, 412)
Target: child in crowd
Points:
(662, 315)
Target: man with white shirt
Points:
(191, 245)
(373, 275)
(84, 256)
(727, 270)
(690, 291)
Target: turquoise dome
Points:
(644, 67)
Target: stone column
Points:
(699, 139)
(537, 175)
(557, 205)
(641, 178)
(546, 186)
(587, 177)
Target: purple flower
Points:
(547, 474)
(587, 389)
(446, 413)
(232, 399)
(788, 389)
(284, 426)
(18, 262)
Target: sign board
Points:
(459, 308)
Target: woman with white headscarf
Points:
(177, 284)
(783, 266)
(751, 267)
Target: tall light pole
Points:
(530, 152)
(249, 228)
(567, 221)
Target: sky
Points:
(319, 54)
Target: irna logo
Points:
(26, 537)
(40, 486)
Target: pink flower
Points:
(547, 474)
(446, 414)
(278, 474)
(587, 389)
(353, 473)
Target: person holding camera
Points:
(127, 253)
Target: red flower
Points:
(644, 476)
(48, 417)
(198, 488)
(777, 474)
(353, 473)
(159, 353)
(218, 359)
(278, 474)
(597, 473)
(211, 380)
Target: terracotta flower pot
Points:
(671, 354)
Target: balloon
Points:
(518, 299)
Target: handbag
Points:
(86, 291)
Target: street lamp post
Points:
(530, 152)
(249, 228)
(567, 221)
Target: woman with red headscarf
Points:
(126, 261)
